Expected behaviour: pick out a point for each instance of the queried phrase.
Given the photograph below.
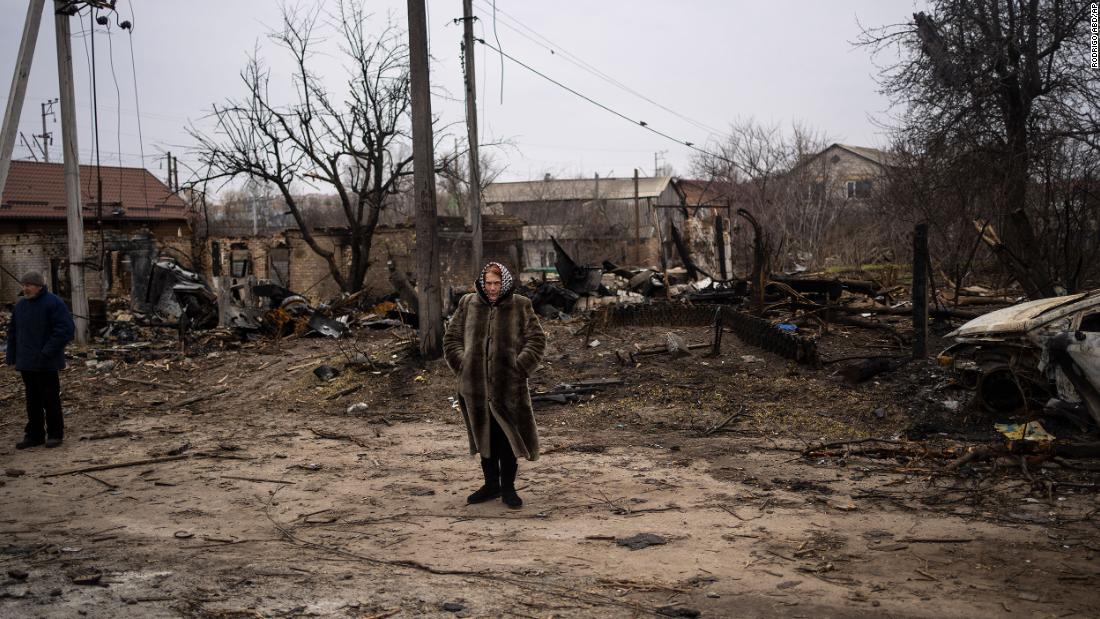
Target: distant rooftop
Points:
(37, 191)
(554, 190)
(880, 157)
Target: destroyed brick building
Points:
(284, 258)
(594, 219)
(138, 214)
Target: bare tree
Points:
(997, 88)
(773, 173)
(454, 176)
(353, 144)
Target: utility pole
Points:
(72, 172)
(427, 230)
(18, 87)
(637, 223)
(23, 139)
(47, 137)
(471, 131)
(171, 186)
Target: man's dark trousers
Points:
(44, 418)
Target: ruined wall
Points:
(308, 273)
(43, 246)
(287, 259)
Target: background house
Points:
(845, 172)
(137, 213)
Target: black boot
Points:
(29, 442)
(508, 468)
(491, 489)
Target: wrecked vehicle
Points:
(1044, 352)
(172, 293)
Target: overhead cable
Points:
(641, 123)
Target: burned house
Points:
(138, 216)
(594, 219)
(286, 259)
(704, 207)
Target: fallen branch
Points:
(118, 465)
(740, 412)
(339, 437)
(343, 392)
(106, 435)
(258, 479)
(194, 399)
(814, 448)
(146, 382)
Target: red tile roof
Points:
(37, 191)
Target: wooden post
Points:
(18, 90)
(720, 243)
(637, 223)
(72, 173)
(471, 133)
(427, 230)
(920, 291)
(716, 345)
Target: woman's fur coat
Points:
(492, 348)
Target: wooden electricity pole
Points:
(430, 311)
(637, 223)
(471, 132)
(920, 291)
(72, 173)
(18, 88)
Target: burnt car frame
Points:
(1040, 352)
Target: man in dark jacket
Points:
(40, 327)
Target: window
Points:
(215, 258)
(859, 189)
(815, 191)
(1091, 322)
(240, 263)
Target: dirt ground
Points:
(271, 500)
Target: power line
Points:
(559, 51)
(137, 102)
(641, 123)
(118, 113)
(497, 37)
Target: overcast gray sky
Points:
(710, 62)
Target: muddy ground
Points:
(271, 500)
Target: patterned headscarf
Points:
(507, 284)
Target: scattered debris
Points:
(1030, 431)
(678, 611)
(573, 392)
(94, 579)
(641, 540)
(326, 372)
(359, 408)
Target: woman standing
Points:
(492, 344)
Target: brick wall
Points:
(43, 247)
